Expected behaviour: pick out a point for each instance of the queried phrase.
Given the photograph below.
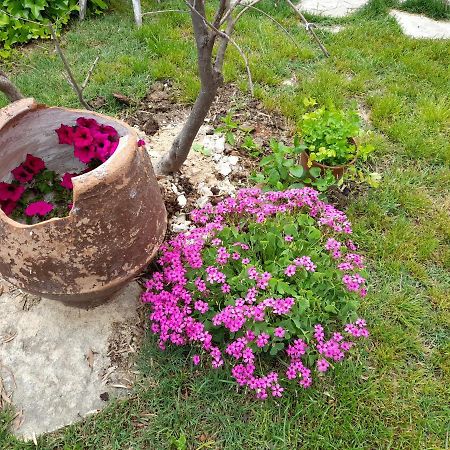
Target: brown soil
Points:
(159, 107)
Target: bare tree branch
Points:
(221, 52)
(8, 88)
(89, 74)
(210, 80)
(309, 27)
(231, 10)
(73, 82)
(223, 6)
(289, 35)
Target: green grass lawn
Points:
(397, 395)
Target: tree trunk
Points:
(174, 159)
(82, 4)
(210, 79)
(137, 12)
(8, 88)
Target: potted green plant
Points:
(328, 140)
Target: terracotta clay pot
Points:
(116, 225)
(338, 171)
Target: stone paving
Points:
(58, 363)
(331, 8)
(421, 27)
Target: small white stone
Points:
(224, 168)
(226, 187)
(180, 223)
(334, 29)
(182, 201)
(202, 201)
(233, 160)
(214, 142)
(204, 190)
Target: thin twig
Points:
(73, 82)
(230, 11)
(276, 23)
(246, 7)
(89, 74)
(20, 18)
(231, 40)
(309, 27)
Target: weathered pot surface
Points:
(116, 225)
(337, 171)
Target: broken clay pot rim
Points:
(80, 182)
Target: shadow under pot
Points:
(115, 227)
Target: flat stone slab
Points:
(58, 363)
(421, 27)
(331, 8)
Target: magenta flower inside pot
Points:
(114, 227)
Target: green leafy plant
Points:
(328, 136)
(24, 20)
(251, 146)
(231, 128)
(281, 169)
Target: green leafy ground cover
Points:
(397, 395)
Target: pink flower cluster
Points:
(91, 141)
(11, 193)
(192, 300)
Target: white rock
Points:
(204, 190)
(333, 28)
(214, 142)
(290, 81)
(233, 160)
(202, 201)
(174, 188)
(421, 27)
(182, 201)
(180, 223)
(226, 187)
(223, 167)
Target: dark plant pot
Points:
(338, 171)
(116, 225)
